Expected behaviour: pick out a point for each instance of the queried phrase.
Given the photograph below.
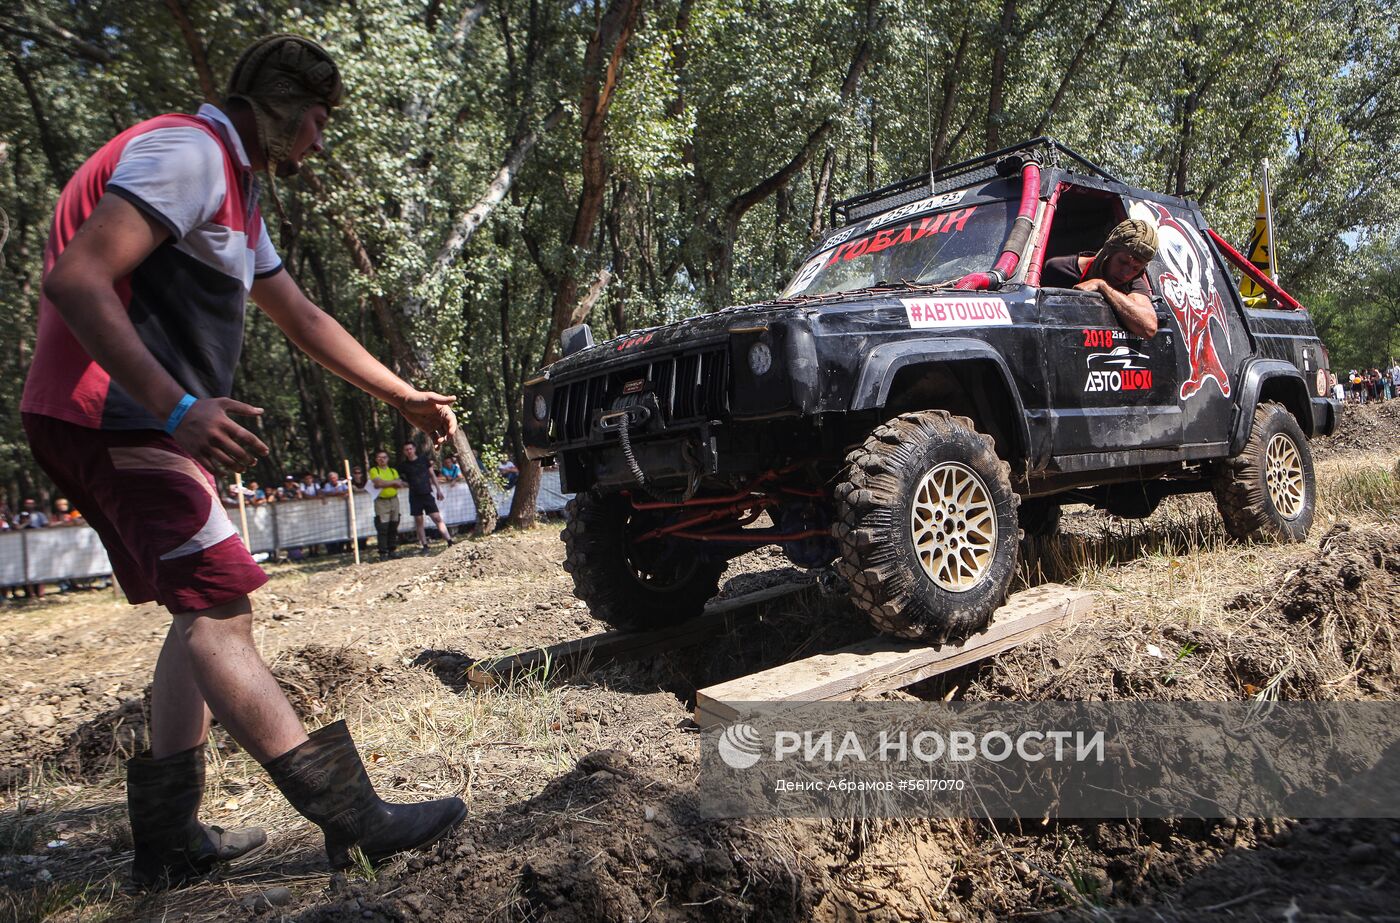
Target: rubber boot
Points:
(327, 784)
(172, 846)
(393, 528)
(383, 540)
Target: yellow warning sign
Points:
(1258, 253)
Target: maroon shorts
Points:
(155, 509)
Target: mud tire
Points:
(874, 505)
(621, 591)
(1241, 486)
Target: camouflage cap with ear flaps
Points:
(1135, 237)
(280, 77)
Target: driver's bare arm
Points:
(1134, 311)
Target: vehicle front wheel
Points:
(926, 521)
(628, 584)
(1268, 492)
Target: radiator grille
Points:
(687, 387)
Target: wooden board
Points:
(882, 663)
(614, 646)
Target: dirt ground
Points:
(581, 782)
(1364, 428)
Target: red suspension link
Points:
(732, 510)
(742, 494)
(741, 507)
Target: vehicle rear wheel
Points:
(926, 521)
(1268, 492)
(628, 584)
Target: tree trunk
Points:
(728, 229)
(520, 147)
(53, 149)
(470, 16)
(1100, 29)
(820, 199)
(523, 506)
(195, 44)
(388, 321)
(601, 65)
(952, 83)
(486, 512)
(872, 147)
(332, 441)
(315, 446)
(620, 254)
(996, 88)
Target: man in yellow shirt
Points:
(386, 505)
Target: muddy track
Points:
(594, 816)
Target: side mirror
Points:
(575, 339)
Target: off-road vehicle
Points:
(915, 399)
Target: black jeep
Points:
(915, 399)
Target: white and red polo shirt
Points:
(186, 300)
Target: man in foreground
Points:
(156, 243)
(1117, 271)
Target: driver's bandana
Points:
(156, 510)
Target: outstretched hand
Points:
(432, 413)
(215, 441)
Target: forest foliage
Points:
(503, 168)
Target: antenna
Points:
(928, 111)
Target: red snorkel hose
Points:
(1020, 229)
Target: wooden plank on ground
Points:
(881, 663)
(615, 646)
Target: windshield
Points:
(941, 246)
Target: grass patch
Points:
(80, 902)
(1359, 489)
(22, 829)
(1179, 530)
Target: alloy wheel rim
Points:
(1283, 475)
(953, 525)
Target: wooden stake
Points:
(242, 509)
(350, 495)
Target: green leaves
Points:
(713, 98)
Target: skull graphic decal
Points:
(1189, 287)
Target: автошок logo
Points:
(739, 746)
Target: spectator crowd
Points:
(310, 485)
(419, 475)
(1365, 386)
(31, 516)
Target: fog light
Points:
(541, 407)
(760, 358)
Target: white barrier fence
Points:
(75, 552)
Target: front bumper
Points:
(757, 371)
(1326, 412)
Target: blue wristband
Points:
(179, 412)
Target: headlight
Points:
(760, 358)
(541, 407)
